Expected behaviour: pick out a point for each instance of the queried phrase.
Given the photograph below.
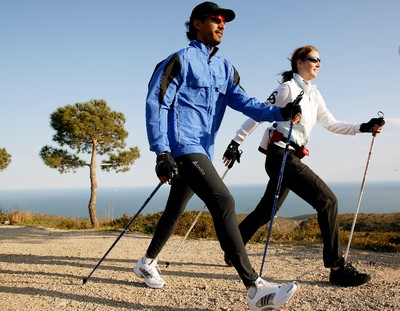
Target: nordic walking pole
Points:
(380, 114)
(123, 231)
(191, 227)
(279, 184)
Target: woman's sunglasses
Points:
(313, 59)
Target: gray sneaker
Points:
(267, 296)
(147, 268)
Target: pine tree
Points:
(89, 128)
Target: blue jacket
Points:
(187, 97)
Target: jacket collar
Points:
(205, 48)
(307, 88)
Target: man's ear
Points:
(197, 24)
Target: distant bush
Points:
(18, 217)
(307, 231)
(373, 232)
(3, 217)
(21, 218)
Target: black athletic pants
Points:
(198, 175)
(300, 179)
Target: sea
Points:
(112, 203)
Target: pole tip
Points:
(84, 281)
(167, 264)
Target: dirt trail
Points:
(42, 269)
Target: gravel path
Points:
(42, 269)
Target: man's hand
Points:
(373, 126)
(166, 167)
(232, 154)
(292, 111)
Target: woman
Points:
(298, 177)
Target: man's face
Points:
(211, 30)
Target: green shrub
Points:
(378, 233)
(307, 231)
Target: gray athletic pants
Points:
(197, 175)
(300, 179)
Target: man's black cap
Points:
(210, 8)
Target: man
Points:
(186, 101)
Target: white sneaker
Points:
(147, 268)
(267, 296)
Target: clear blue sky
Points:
(55, 53)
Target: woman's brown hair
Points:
(299, 53)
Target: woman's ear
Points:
(299, 64)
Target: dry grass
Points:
(374, 232)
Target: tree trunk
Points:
(93, 189)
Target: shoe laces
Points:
(157, 268)
(349, 269)
(154, 266)
(259, 283)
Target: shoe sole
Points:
(366, 280)
(297, 289)
(296, 285)
(351, 285)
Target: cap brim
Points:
(229, 15)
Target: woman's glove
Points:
(370, 126)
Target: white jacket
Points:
(313, 110)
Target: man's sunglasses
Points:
(218, 19)
(313, 59)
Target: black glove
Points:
(291, 110)
(232, 153)
(369, 126)
(166, 166)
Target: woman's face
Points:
(309, 66)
